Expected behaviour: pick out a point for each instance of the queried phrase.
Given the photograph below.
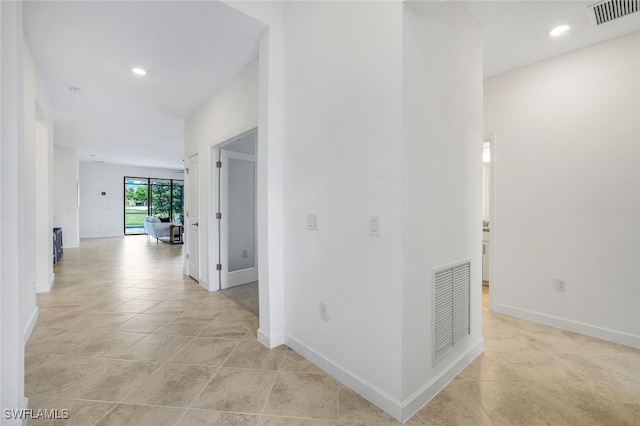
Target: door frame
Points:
(213, 196)
(229, 279)
(493, 286)
(190, 178)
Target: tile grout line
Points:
(278, 370)
(209, 382)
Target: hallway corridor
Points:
(125, 339)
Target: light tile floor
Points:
(125, 339)
(245, 295)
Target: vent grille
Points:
(609, 10)
(452, 316)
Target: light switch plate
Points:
(312, 222)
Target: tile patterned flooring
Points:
(245, 295)
(125, 339)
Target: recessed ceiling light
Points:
(559, 30)
(74, 89)
(139, 71)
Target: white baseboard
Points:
(430, 389)
(401, 411)
(31, 324)
(623, 338)
(47, 287)
(270, 341)
(367, 390)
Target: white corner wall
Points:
(21, 91)
(441, 187)
(103, 215)
(342, 158)
(230, 112)
(335, 142)
(65, 194)
(38, 136)
(567, 190)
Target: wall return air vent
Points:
(608, 10)
(452, 307)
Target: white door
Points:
(237, 219)
(193, 255)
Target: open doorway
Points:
(487, 147)
(237, 220)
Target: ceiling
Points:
(191, 48)
(516, 33)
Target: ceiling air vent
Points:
(609, 10)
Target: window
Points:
(163, 198)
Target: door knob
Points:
(195, 224)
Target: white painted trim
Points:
(492, 219)
(367, 390)
(214, 148)
(419, 398)
(52, 280)
(615, 336)
(270, 342)
(31, 324)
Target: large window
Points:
(163, 198)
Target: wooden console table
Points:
(175, 233)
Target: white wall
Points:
(342, 156)
(20, 90)
(567, 190)
(335, 143)
(65, 194)
(38, 136)
(103, 215)
(231, 112)
(441, 187)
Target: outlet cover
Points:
(561, 285)
(324, 314)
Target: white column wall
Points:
(38, 136)
(342, 158)
(270, 168)
(567, 190)
(442, 185)
(14, 299)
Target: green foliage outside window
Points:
(167, 200)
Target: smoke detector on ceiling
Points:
(608, 10)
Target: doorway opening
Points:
(487, 194)
(236, 162)
(191, 220)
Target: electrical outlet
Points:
(245, 254)
(561, 285)
(324, 314)
(34, 277)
